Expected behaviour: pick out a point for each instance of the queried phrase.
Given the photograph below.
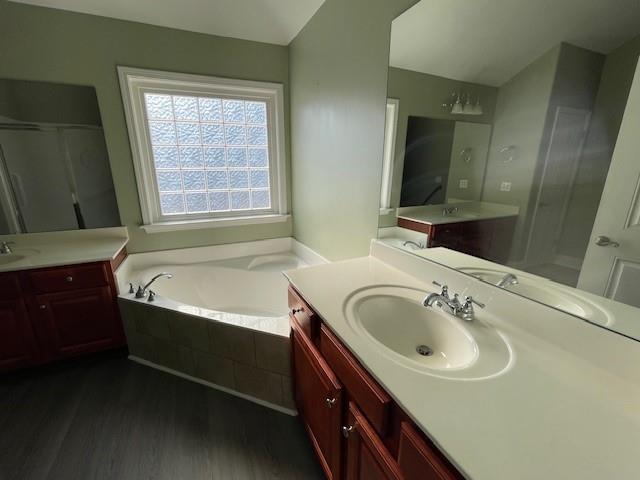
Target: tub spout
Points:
(142, 291)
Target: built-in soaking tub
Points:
(222, 319)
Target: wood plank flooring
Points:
(109, 418)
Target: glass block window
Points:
(210, 154)
(205, 150)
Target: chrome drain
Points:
(424, 350)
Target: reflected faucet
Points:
(142, 291)
(411, 242)
(5, 249)
(508, 280)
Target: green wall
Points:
(422, 95)
(339, 64)
(611, 100)
(58, 46)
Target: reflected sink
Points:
(426, 339)
(547, 292)
(8, 258)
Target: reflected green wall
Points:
(58, 46)
(339, 65)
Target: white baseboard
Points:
(264, 403)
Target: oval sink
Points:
(7, 258)
(547, 292)
(426, 339)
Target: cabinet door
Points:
(18, 347)
(367, 456)
(419, 461)
(80, 321)
(319, 400)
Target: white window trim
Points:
(389, 151)
(134, 82)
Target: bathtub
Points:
(221, 320)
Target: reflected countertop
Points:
(460, 212)
(566, 408)
(50, 249)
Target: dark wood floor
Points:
(110, 418)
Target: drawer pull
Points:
(346, 431)
(42, 307)
(330, 401)
(297, 310)
(69, 279)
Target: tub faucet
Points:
(5, 249)
(508, 280)
(142, 291)
(419, 246)
(453, 305)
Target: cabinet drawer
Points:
(304, 316)
(370, 397)
(419, 461)
(68, 278)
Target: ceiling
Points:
(271, 21)
(489, 41)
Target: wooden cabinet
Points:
(53, 313)
(357, 430)
(319, 400)
(18, 346)
(367, 456)
(489, 239)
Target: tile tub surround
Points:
(241, 361)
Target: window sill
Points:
(213, 223)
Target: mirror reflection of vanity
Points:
(54, 167)
(519, 155)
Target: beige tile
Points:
(232, 342)
(127, 314)
(152, 321)
(142, 346)
(166, 354)
(188, 330)
(258, 383)
(287, 394)
(273, 353)
(214, 369)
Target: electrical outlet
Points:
(464, 183)
(505, 187)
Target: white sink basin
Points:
(8, 258)
(426, 339)
(547, 292)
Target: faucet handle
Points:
(469, 301)
(152, 296)
(445, 289)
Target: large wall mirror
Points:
(54, 167)
(520, 149)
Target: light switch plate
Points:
(505, 187)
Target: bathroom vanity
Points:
(58, 296)
(480, 229)
(391, 389)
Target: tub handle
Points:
(297, 310)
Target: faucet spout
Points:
(142, 291)
(508, 280)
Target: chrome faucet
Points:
(453, 306)
(5, 249)
(508, 280)
(142, 291)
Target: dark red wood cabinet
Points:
(489, 239)
(357, 430)
(54, 313)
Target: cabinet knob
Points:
(69, 279)
(297, 310)
(346, 431)
(42, 307)
(331, 401)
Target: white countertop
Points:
(568, 408)
(467, 212)
(64, 248)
